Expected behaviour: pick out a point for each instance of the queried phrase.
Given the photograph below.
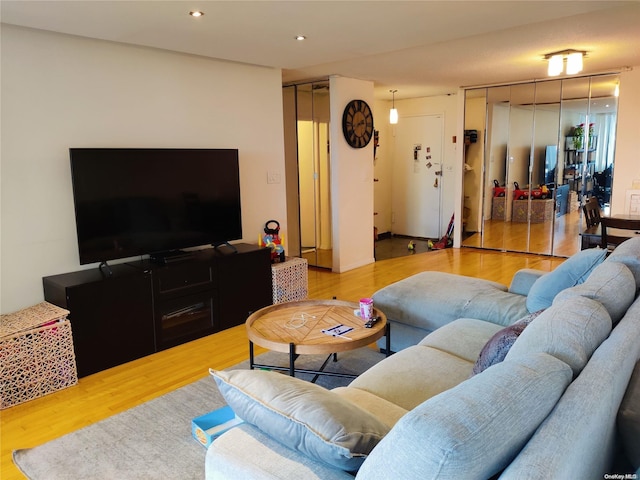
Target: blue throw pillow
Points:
(574, 271)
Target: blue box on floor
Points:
(208, 427)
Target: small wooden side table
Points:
(296, 328)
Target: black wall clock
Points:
(357, 123)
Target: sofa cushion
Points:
(413, 375)
(499, 344)
(578, 440)
(570, 330)
(303, 416)
(464, 337)
(629, 419)
(612, 284)
(569, 273)
(385, 411)
(475, 429)
(429, 300)
(628, 252)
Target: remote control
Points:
(371, 321)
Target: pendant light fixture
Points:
(393, 113)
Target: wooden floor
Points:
(105, 393)
(560, 237)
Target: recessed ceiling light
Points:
(196, 13)
(300, 37)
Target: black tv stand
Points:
(172, 256)
(226, 244)
(144, 307)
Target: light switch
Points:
(273, 177)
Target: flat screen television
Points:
(550, 161)
(137, 201)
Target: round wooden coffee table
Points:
(296, 328)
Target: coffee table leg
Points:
(292, 359)
(387, 333)
(251, 355)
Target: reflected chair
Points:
(602, 185)
(617, 230)
(592, 212)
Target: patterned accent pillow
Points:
(498, 346)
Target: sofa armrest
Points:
(523, 280)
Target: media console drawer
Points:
(187, 275)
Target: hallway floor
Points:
(397, 246)
(385, 248)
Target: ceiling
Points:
(419, 48)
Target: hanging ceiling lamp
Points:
(393, 113)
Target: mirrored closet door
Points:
(307, 114)
(535, 153)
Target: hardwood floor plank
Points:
(106, 393)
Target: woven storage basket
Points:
(290, 280)
(36, 354)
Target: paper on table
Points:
(338, 331)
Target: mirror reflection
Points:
(313, 173)
(541, 151)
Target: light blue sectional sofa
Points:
(527, 382)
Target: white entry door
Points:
(417, 177)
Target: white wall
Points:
(351, 181)
(626, 170)
(62, 91)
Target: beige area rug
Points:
(153, 440)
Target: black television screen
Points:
(136, 201)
